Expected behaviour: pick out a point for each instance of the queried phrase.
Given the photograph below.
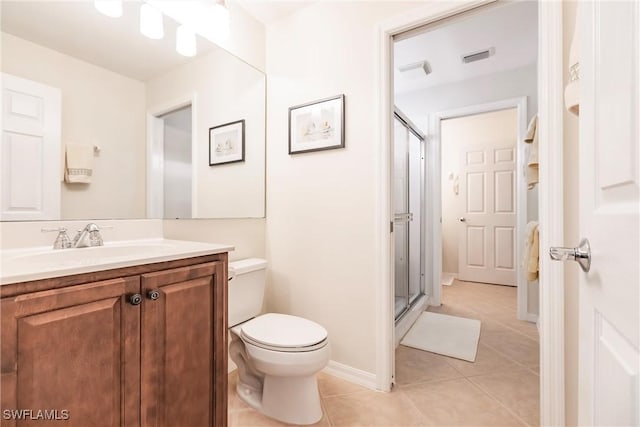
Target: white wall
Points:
(499, 128)
(247, 235)
(226, 90)
(321, 206)
(98, 107)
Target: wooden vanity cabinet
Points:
(144, 349)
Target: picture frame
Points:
(226, 143)
(317, 125)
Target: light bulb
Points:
(112, 8)
(151, 22)
(185, 41)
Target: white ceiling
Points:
(511, 29)
(77, 29)
(268, 11)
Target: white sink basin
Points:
(41, 263)
(90, 255)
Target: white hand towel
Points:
(532, 162)
(78, 164)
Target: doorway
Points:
(550, 92)
(177, 177)
(171, 143)
(478, 197)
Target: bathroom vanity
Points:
(138, 338)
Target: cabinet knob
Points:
(153, 294)
(135, 299)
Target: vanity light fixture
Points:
(185, 41)
(151, 22)
(112, 8)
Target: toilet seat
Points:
(283, 332)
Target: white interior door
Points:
(486, 251)
(31, 150)
(609, 213)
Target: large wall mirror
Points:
(171, 136)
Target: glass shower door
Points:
(401, 216)
(408, 200)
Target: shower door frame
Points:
(413, 129)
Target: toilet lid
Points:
(283, 331)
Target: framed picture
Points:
(317, 125)
(226, 143)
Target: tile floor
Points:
(500, 388)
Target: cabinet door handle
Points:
(153, 294)
(135, 299)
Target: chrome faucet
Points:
(88, 236)
(62, 239)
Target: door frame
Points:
(155, 153)
(435, 175)
(550, 113)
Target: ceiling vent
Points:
(478, 56)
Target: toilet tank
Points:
(247, 279)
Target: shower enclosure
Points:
(408, 221)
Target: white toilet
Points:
(278, 355)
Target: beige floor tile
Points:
(518, 391)
(334, 386)
(372, 409)
(487, 361)
(252, 418)
(415, 366)
(510, 321)
(514, 345)
(458, 403)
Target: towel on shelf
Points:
(78, 167)
(532, 162)
(532, 250)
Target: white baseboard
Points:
(448, 278)
(530, 317)
(353, 375)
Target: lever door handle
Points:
(580, 254)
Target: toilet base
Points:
(293, 400)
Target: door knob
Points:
(153, 294)
(462, 219)
(581, 254)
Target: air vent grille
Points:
(477, 56)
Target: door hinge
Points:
(390, 226)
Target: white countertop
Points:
(23, 265)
